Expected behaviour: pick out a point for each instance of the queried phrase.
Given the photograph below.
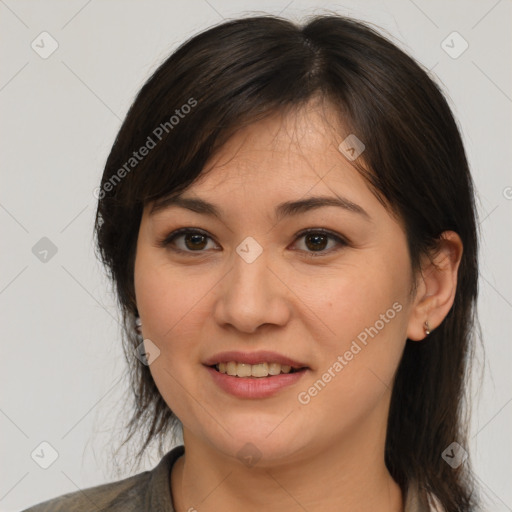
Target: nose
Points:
(251, 295)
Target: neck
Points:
(346, 476)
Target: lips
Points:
(254, 387)
(262, 356)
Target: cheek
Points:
(167, 304)
(358, 362)
(366, 311)
(167, 297)
(351, 301)
(174, 306)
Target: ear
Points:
(436, 286)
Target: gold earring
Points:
(427, 328)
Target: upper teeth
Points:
(252, 370)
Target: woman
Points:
(287, 214)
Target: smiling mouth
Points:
(260, 370)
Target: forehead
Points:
(293, 154)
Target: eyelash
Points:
(166, 242)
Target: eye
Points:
(195, 241)
(315, 241)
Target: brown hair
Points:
(243, 70)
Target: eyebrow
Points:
(286, 209)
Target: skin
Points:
(327, 454)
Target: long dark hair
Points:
(243, 70)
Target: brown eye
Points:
(193, 240)
(316, 241)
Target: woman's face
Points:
(338, 306)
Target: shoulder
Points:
(122, 495)
(137, 493)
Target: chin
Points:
(252, 444)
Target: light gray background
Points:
(63, 374)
